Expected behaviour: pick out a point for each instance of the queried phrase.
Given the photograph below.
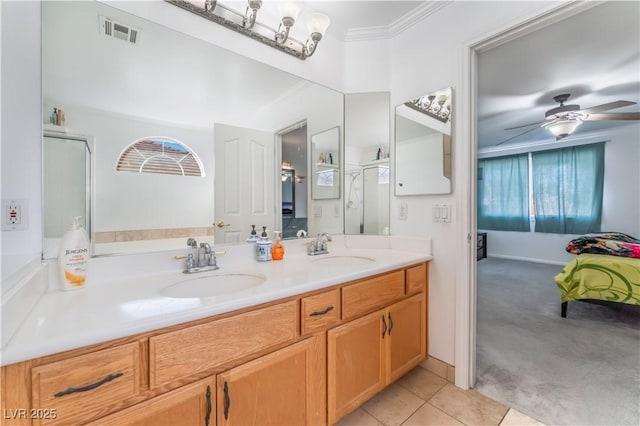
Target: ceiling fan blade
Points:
(606, 107)
(525, 125)
(615, 116)
(518, 135)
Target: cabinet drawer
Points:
(86, 386)
(372, 293)
(182, 353)
(320, 311)
(416, 278)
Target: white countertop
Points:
(122, 298)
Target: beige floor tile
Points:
(428, 415)
(469, 407)
(358, 417)
(422, 383)
(516, 418)
(393, 405)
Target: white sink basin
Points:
(212, 285)
(340, 261)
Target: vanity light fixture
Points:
(248, 24)
(436, 105)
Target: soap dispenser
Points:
(277, 251)
(263, 247)
(253, 236)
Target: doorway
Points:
(293, 206)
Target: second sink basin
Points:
(212, 285)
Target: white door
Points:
(244, 182)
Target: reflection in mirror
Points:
(118, 92)
(423, 145)
(325, 154)
(366, 201)
(66, 178)
(294, 182)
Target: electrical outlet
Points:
(317, 211)
(14, 214)
(402, 211)
(336, 210)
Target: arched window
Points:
(159, 155)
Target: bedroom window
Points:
(557, 191)
(159, 155)
(503, 193)
(567, 189)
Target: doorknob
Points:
(220, 224)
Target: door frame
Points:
(466, 279)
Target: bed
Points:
(606, 268)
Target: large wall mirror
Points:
(366, 175)
(204, 99)
(423, 145)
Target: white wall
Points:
(21, 129)
(420, 63)
(620, 204)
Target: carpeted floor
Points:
(579, 370)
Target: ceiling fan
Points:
(565, 119)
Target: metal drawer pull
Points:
(384, 325)
(227, 401)
(109, 378)
(207, 418)
(390, 324)
(322, 312)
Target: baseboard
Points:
(440, 368)
(527, 259)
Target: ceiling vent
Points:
(111, 28)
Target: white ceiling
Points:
(594, 56)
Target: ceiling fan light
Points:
(563, 127)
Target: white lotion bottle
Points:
(73, 257)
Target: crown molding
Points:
(401, 24)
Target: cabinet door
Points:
(286, 387)
(356, 360)
(188, 405)
(407, 321)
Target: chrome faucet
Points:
(319, 245)
(200, 259)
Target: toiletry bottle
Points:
(253, 236)
(73, 256)
(330, 159)
(263, 247)
(54, 116)
(61, 117)
(277, 251)
(379, 154)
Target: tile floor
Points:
(421, 398)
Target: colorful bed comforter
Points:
(600, 277)
(610, 243)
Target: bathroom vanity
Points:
(331, 342)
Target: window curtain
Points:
(567, 188)
(503, 193)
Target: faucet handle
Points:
(191, 242)
(206, 247)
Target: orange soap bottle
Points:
(277, 250)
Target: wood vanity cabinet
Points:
(366, 354)
(192, 404)
(305, 360)
(286, 387)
